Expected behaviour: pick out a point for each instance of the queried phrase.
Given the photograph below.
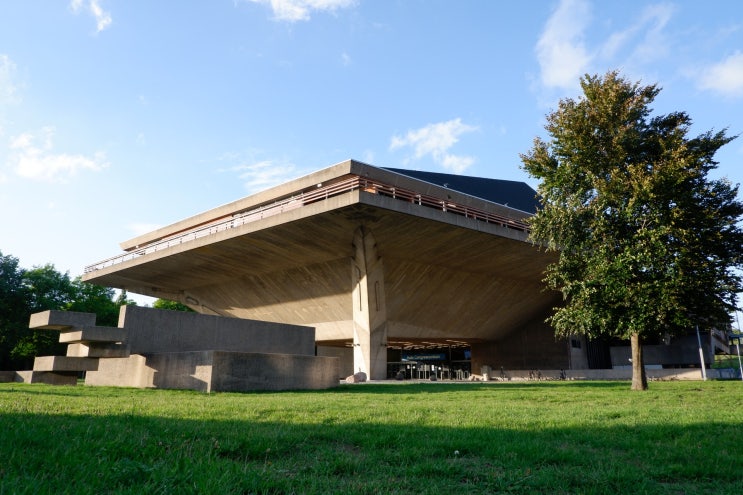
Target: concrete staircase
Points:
(86, 343)
(154, 348)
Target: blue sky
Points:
(119, 116)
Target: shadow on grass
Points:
(128, 453)
(408, 387)
(377, 387)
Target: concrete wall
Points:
(234, 372)
(48, 377)
(151, 331)
(130, 371)
(534, 346)
(681, 352)
(212, 371)
(626, 374)
(344, 355)
(577, 352)
(616, 374)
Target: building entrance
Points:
(429, 363)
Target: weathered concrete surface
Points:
(92, 334)
(96, 350)
(149, 331)
(369, 307)
(625, 374)
(684, 350)
(131, 371)
(7, 376)
(237, 371)
(50, 378)
(344, 355)
(211, 371)
(64, 363)
(60, 320)
(618, 374)
(533, 346)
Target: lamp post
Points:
(701, 355)
(737, 343)
(737, 337)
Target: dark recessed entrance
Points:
(429, 360)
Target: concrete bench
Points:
(60, 320)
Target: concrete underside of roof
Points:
(446, 277)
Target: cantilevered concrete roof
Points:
(457, 263)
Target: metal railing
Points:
(307, 197)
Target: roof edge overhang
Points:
(248, 202)
(307, 182)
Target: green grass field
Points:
(530, 437)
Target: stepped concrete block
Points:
(97, 350)
(93, 334)
(130, 371)
(60, 320)
(65, 363)
(47, 377)
(7, 376)
(212, 371)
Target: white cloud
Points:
(724, 77)
(39, 161)
(367, 156)
(561, 52)
(649, 28)
(654, 45)
(8, 88)
(142, 228)
(435, 140)
(102, 18)
(564, 56)
(257, 176)
(300, 10)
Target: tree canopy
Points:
(171, 305)
(23, 292)
(649, 244)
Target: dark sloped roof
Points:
(505, 192)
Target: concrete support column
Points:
(369, 307)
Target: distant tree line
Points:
(27, 291)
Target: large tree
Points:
(649, 244)
(91, 298)
(13, 309)
(23, 292)
(171, 305)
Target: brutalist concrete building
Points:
(398, 271)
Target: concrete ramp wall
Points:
(210, 371)
(150, 331)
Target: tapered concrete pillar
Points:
(369, 307)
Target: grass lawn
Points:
(529, 437)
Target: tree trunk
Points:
(639, 379)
